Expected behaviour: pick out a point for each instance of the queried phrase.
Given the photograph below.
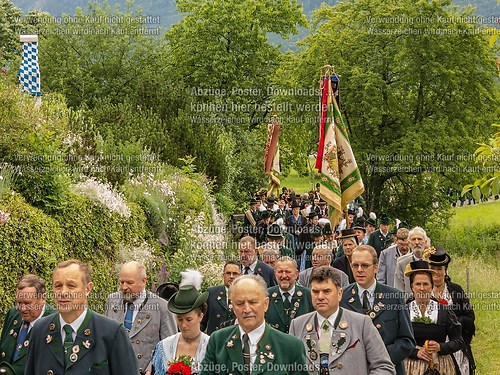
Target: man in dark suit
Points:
(385, 306)
(144, 314)
(77, 340)
(336, 339)
(252, 216)
(288, 300)
(252, 346)
(16, 332)
(251, 264)
(220, 308)
(381, 238)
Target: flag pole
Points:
(341, 181)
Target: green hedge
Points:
(31, 242)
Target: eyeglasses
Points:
(362, 265)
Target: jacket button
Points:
(340, 365)
(50, 372)
(139, 356)
(138, 342)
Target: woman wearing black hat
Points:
(435, 326)
(453, 295)
(189, 306)
(349, 242)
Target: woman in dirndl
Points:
(435, 326)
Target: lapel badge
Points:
(299, 293)
(351, 300)
(309, 327)
(14, 322)
(313, 343)
(73, 357)
(259, 270)
(262, 361)
(234, 337)
(15, 334)
(313, 355)
(86, 332)
(372, 314)
(270, 356)
(11, 332)
(342, 335)
(230, 344)
(75, 349)
(343, 324)
(353, 291)
(3, 354)
(378, 326)
(86, 344)
(380, 304)
(274, 295)
(296, 305)
(376, 308)
(268, 347)
(230, 306)
(48, 339)
(218, 298)
(26, 343)
(52, 326)
(380, 295)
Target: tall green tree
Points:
(416, 86)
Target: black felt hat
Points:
(439, 258)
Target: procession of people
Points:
(305, 296)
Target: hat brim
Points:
(172, 307)
(428, 270)
(444, 262)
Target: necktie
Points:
(23, 333)
(247, 270)
(129, 315)
(366, 302)
(286, 302)
(325, 338)
(68, 342)
(246, 353)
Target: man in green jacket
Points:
(252, 346)
(288, 300)
(16, 331)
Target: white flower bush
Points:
(202, 248)
(103, 194)
(141, 252)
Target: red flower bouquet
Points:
(179, 368)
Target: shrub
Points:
(31, 242)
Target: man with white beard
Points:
(418, 243)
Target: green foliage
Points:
(411, 102)
(33, 143)
(31, 242)
(103, 55)
(473, 230)
(488, 156)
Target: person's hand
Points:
(424, 355)
(433, 347)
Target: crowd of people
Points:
(300, 299)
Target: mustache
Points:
(249, 315)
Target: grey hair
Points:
(258, 279)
